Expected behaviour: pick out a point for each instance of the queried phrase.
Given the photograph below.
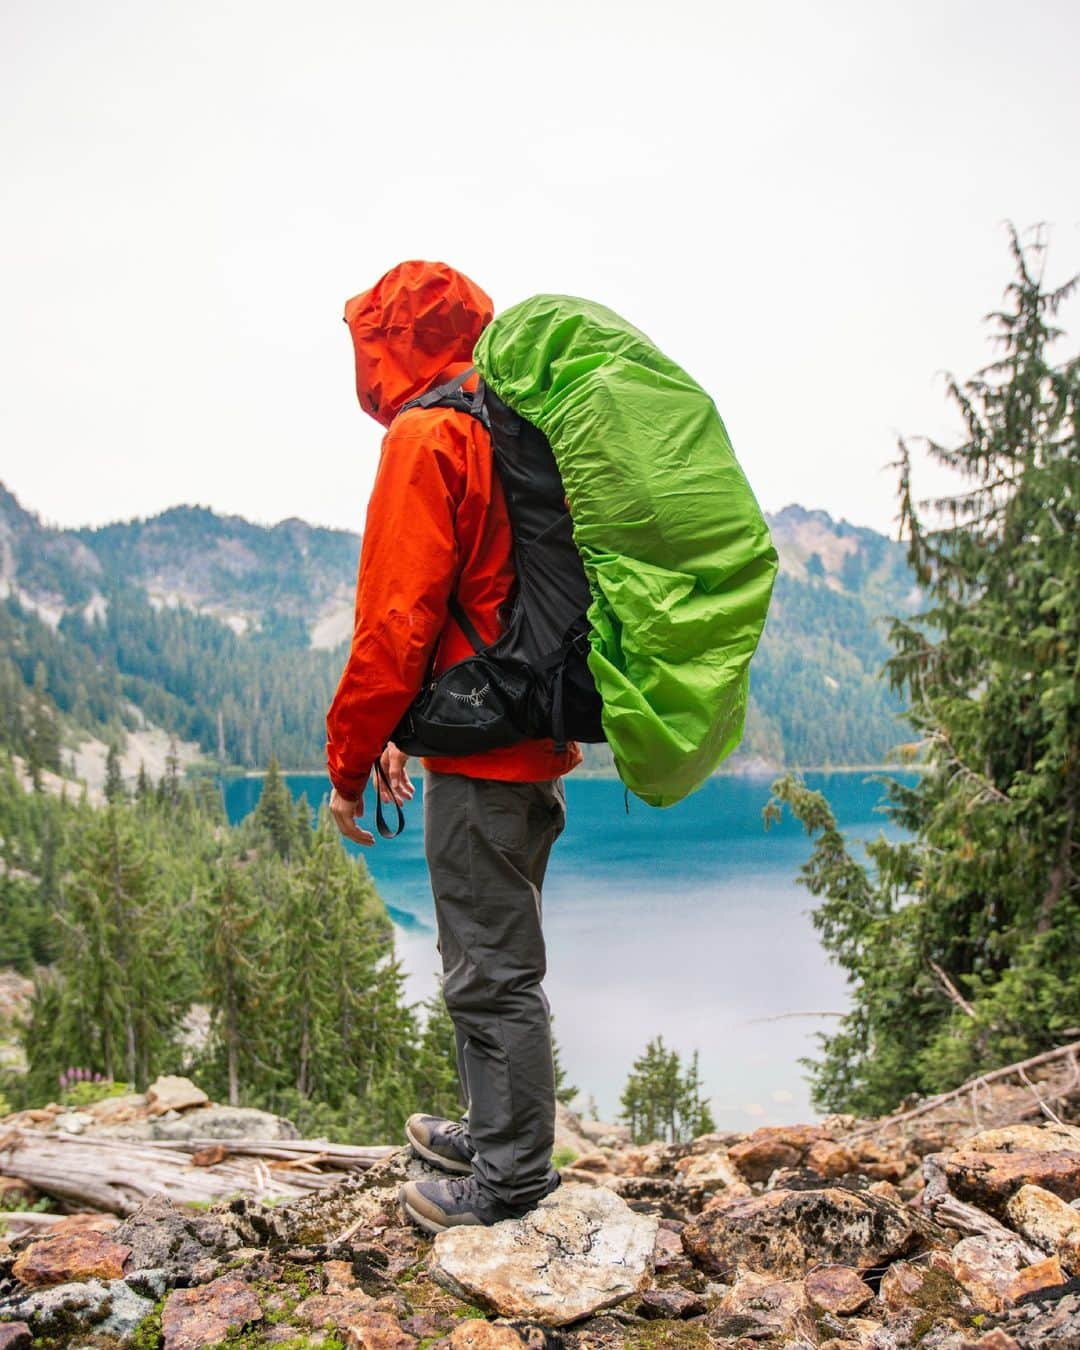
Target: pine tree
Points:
(960, 942)
(661, 1100)
(114, 782)
(235, 974)
(275, 814)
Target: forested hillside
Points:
(230, 636)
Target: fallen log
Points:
(116, 1176)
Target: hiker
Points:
(438, 536)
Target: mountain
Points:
(229, 634)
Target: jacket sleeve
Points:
(408, 564)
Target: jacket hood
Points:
(410, 330)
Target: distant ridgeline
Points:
(230, 634)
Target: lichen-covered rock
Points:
(711, 1172)
(758, 1306)
(193, 1318)
(209, 1122)
(335, 1309)
(996, 1275)
(71, 1258)
(1047, 1221)
(929, 1289)
(989, 1180)
(15, 1336)
(377, 1331)
(164, 1238)
(580, 1250)
(1021, 1138)
(110, 1308)
(782, 1233)
(837, 1289)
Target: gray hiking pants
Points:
(487, 847)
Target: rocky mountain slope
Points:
(921, 1230)
(229, 634)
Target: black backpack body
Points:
(534, 681)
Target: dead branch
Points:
(980, 1080)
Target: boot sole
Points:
(437, 1159)
(422, 1220)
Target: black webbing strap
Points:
(380, 819)
(464, 623)
(440, 391)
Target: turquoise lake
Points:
(687, 923)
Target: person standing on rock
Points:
(437, 527)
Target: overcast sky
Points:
(802, 203)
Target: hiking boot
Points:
(458, 1201)
(443, 1143)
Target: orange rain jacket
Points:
(436, 522)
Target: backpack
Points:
(644, 564)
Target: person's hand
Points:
(345, 812)
(400, 788)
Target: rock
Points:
(117, 1110)
(1040, 1325)
(339, 1276)
(1045, 1219)
(993, 1340)
(829, 1159)
(990, 1179)
(930, 1288)
(205, 1315)
(758, 1305)
(1048, 1138)
(994, 1273)
(837, 1289)
(783, 1232)
(111, 1308)
(762, 1154)
(210, 1122)
(568, 1133)
(164, 1238)
(15, 1336)
(599, 1132)
(377, 1331)
(580, 1250)
(79, 1223)
(335, 1309)
(73, 1122)
(592, 1162)
(168, 1092)
(667, 1250)
(475, 1334)
(671, 1304)
(711, 1172)
(71, 1258)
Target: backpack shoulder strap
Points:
(453, 395)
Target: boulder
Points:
(111, 1308)
(989, 1179)
(192, 1318)
(1047, 1221)
(1048, 1138)
(168, 1092)
(781, 1233)
(711, 1172)
(475, 1334)
(837, 1289)
(995, 1273)
(599, 1132)
(80, 1255)
(165, 1239)
(758, 1306)
(929, 1288)
(580, 1250)
(829, 1159)
(210, 1122)
(15, 1336)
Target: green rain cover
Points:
(677, 553)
